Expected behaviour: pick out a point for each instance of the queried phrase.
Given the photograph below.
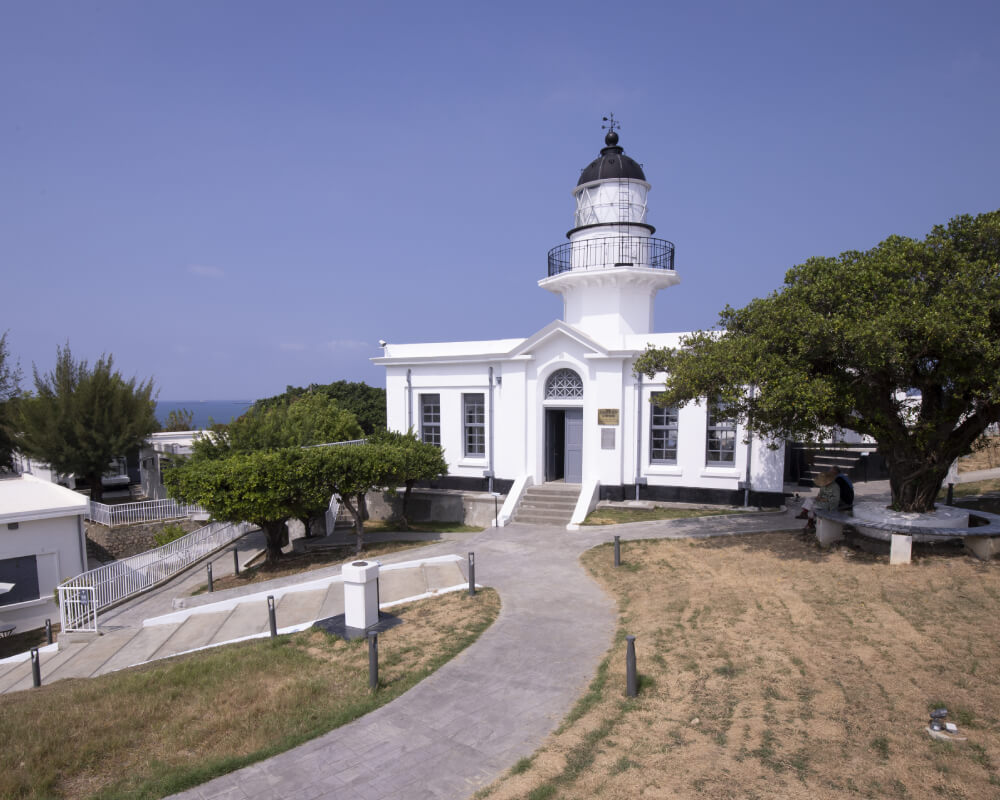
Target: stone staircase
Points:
(822, 460)
(548, 504)
(79, 655)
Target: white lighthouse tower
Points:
(610, 270)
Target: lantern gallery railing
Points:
(608, 252)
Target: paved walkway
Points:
(497, 701)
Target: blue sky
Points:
(232, 197)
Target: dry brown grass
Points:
(985, 456)
(771, 669)
(153, 730)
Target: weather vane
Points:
(612, 123)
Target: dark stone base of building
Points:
(500, 485)
(692, 494)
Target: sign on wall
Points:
(607, 416)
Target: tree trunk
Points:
(359, 523)
(406, 503)
(915, 484)
(276, 533)
(96, 487)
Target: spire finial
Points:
(612, 138)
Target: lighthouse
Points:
(612, 267)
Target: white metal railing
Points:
(82, 597)
(144, 511)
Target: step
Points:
(563, 505)
(196, 631)
(140, 649)
(89, 661)
(248, 618)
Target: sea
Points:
(205, 411)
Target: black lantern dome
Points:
(611, 164)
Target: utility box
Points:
(360, 594)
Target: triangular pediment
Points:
(556, 331)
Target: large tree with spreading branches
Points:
(900, 342)
(81, 418)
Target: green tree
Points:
(367, 403)
(179, 419)
(846, 340)
(266, 488)
(10, 389)
(306, 420)
(416, 461)
(79, 418)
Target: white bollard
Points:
(360, 594)
(900, 549)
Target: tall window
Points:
(720, 439)
(430, 418)
(663, 435)
(474, 414)
(563, 383)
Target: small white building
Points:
(42, 542)
(563, 403)
(158, 453)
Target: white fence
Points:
(145, 511)
(82, 597)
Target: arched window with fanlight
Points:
(564, 384)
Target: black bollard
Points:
(618, 551)
(631, 684)
(36, 668)
(372, 660)
(236, 562)
(270, 615)
(211, 587)
(472, 574)
(951, 494)
(48, 631)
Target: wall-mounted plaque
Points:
(607, 416)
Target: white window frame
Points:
(663, 426)
(430, 418)
(474, 429)
(719, 431)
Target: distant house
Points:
(42, 541)
(158, 453)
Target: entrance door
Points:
(564, 444)
(555, 444)
(574, 445)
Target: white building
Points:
(563, 404)
(42, 542)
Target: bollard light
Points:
(36, 668)
(372, 660)
(951, 494)
(618, 551)
(236, 562)
(271, 617)
(631, 683)
(211, 587)
(472, 574)
(48, 631)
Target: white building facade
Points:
(563, 404)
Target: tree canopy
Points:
(415, 460)
(10, 388)
(81, 418)
(900, 342)
(309, 419)
(179, 419)
(367, 403)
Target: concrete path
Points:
(497, 701)
(220, 618)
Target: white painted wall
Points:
(59, 547)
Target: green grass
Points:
(618, 516)
(158, 729)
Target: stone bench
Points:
(981, 537)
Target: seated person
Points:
(829, 497)
(846, 491)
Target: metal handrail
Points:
(143, 511)
(82, 597)
(607, 252)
